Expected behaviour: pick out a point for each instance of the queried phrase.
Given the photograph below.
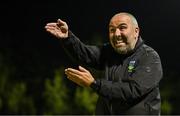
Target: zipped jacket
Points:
(130, 84)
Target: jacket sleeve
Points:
(146, 76)
(81, 53)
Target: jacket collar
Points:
(138, 43)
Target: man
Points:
(132, 70)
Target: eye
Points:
(123, 27)
(112, 30)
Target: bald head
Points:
(131, 17)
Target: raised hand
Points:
(58, 29)
(81, 77)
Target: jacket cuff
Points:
(69, 39)
(96, 85)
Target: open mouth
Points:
(119, 43)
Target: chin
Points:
(121, 51)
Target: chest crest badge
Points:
(131, 66)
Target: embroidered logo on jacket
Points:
(131, 66)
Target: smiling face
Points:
(123, 33)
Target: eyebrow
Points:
(122, 24)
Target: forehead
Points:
(120, 19)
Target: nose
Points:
(117, 32)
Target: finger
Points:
(70, 78)
(74, 79)
(49, 27)
(51, 30)
(73, 76)
(79, 82)
(51, 24)
(69, 73)
(83, 69)
(74, 71)
(60, 22)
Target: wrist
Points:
(95, 85)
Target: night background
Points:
(32, 61)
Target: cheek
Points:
(110, 36)
(129, 35)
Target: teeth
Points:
(117, 42)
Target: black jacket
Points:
(130, 84)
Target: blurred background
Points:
(32, 62)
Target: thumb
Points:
(83, 69)
(60, 22)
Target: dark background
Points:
(22, 24)
(26, 45)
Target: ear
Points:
(137, 32)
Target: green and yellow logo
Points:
(131, 66)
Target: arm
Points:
(78, 51)
(81, 53)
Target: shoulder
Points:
(149, 51)
(146, 54)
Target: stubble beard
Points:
(124, 49)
